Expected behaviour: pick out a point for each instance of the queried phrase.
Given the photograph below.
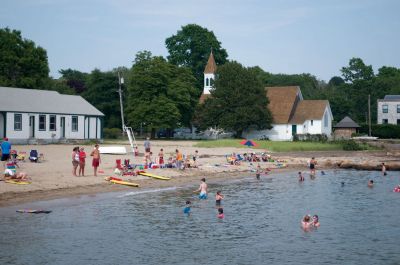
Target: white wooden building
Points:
(29, 115)
(389, 110)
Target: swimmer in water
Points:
(301, 177)
(342, 184)
(397, 189)
(306, 222)
(258, 172)
(315, 221)
(370, 183)
(220, 213)
(202, 189)
(384, 169)
(218, 198)
(186, 210)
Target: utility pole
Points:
(120, 83)
(369, 114)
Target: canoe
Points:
(17, 182)
(124, 183)
(33, 211)
(153, 176)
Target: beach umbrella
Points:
(248, 143)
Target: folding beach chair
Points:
(33, 156)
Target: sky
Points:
(281, 36)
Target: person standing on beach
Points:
(5, 151)
(82, 161)
(96, 159)
(179, 159)
(313, 163)
(195, 159)
(147, 145)
(161, 157)
(75, 160)
(202, 189)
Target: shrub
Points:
(112, 133)
(385, 131)
(351, 145)
(310, 137)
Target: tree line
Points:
(164, 92)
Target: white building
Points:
(389, 110)
(29, 115)
(293, 115)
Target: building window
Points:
(398, 108)
(206, 81)
(385, 109)
(326, 120)
(42, 122)
(385, 121)
(312, 122)
(211, 81)
(398, 121)
(17, 122)
(52, 123)
(74, 126)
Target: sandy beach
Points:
(52, 178)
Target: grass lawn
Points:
(273, 146)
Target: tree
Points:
(191, 47)
(336, 81)
(22, 63)
(74, 79)
(161, 95)
(357, 71)
(102, 93)
(238, 101)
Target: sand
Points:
(52, 178)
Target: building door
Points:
(62, 127)
(294, 129)
(31, 126)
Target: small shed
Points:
(345, 128)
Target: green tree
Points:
(191, 47)
(102, 93)
(161, 95)
(357, 70)
(238, 101)
(22, 63)
(74, 79)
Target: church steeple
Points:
(209, 74)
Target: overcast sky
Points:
(292, 36)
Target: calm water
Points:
(359, 225)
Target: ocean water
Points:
(359, 225)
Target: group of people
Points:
(203, 195)
(236, 159)
(307, 222)
(10, 174)
(178, 160)
(79, 160)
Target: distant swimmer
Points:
(186, 210)
(313, 163)
(322, 173)
(384, 169)
(397, 189)
(342, 184)
(301, 177)
(370, 183)
(202, 189)
(220, 213)
(306, 222)
(218, 198)
(258, 172)
(315, 221)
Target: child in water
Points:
(258, 172)
(220, 213)
(218, 198)
(186, 210)
(301, 177)
(315, 221)
(370, 183)
(306, 222)
(384, 169)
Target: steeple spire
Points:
(211, 66)
(209, 74)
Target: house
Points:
(389, 110)
(29, 115)
(345, 128)
(292, 115)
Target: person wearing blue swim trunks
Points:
(186, 210)
(202, 189)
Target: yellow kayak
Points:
(17, 182)
(124, 183)
(153, 176)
